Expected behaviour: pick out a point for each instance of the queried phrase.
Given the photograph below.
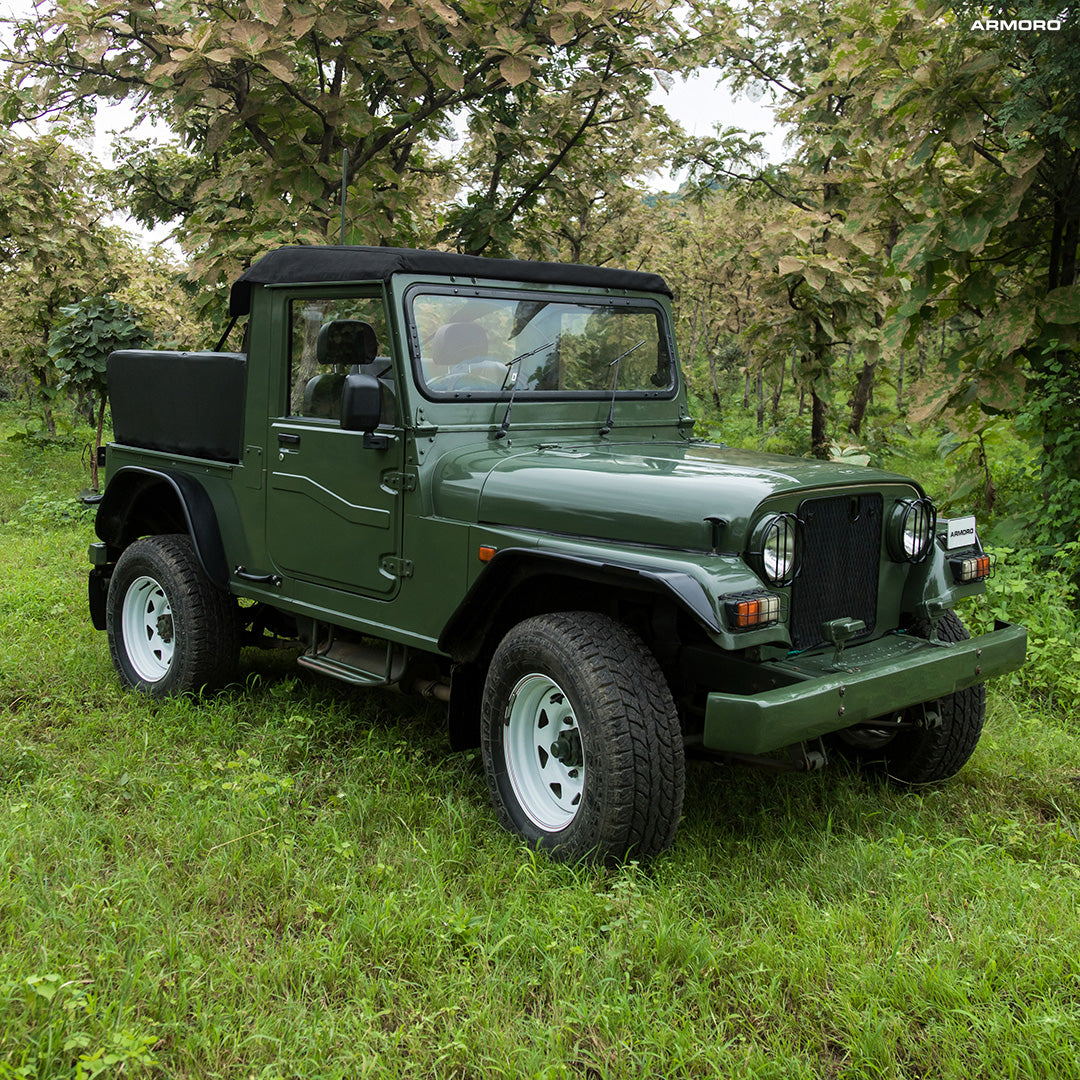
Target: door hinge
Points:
(395, 566)
(400, 481)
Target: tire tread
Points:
(204, 616)
(636, 720)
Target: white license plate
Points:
(961, 532)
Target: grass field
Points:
(295, 879)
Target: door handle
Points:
(286, 438)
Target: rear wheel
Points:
(931, 741)
(581, 741)
(170, 629)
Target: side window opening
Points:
(330, 339)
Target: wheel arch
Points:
(467, 632)
(141, 501)
(519, 583)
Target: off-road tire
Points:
(628, 739)
(925, 755)
(170, 629)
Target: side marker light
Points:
(971, 568)
(759, 609)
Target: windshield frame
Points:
(551, 296)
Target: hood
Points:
(653, 494)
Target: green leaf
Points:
(1061, 306)
(968, 233)
(914, 243)
(979, 288)
(515, 70)
(967, 128)
(1010, 327)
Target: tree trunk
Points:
(45, 397)
(863, 391)
(697, 330)
(746, 391)
(760, 401)
(819, 438)
(97, 442)
(776, 397)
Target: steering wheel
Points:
(480, 373)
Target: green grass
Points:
(296, 879)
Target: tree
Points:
(266, 96)
(829, 259)
(80, 344)
(562, 179)
(985, 128)
(947, 160)
(54, 249)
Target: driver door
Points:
(333, 520)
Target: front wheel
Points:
(170, 629)
(581, 741)
(931, 741)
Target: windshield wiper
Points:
(614, 386)
(504, 427)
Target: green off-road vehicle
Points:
(477, 479)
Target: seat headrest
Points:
(454, 342)
(346, 341)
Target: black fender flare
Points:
(117, 515)
(465, 631)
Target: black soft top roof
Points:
(296, 265)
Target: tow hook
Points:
(930, 719)
(803, 759)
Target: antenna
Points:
(344, 190)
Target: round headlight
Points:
(773, 546)
(912, 529)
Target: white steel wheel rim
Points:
(147, 626)
(542, 749)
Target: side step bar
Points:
(356, 663)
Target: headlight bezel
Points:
(775, 548)
(912, 528)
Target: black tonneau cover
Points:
(296, 265)
(189, 403)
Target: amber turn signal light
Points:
(971, 568)
(486, 553)
(759, 609)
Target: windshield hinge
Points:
(394, 566)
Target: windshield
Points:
(483, 343)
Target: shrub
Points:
(1023, 590)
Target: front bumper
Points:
(872, 680)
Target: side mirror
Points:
(361, 403)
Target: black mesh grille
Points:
(838, 576)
